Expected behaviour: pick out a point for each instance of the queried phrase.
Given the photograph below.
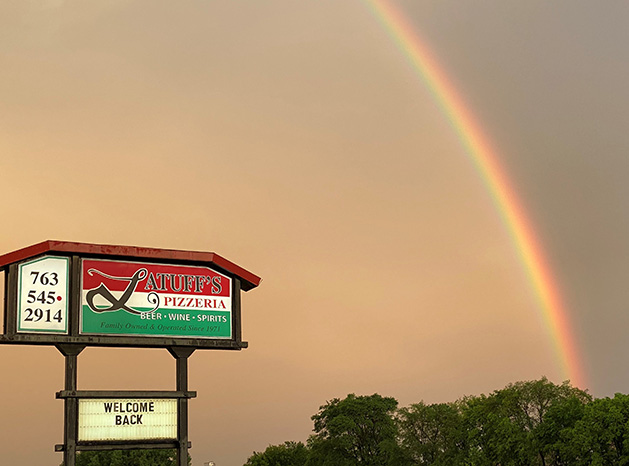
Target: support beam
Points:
(181, 355)
(71, 408)
(10, 297)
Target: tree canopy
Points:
(286, 454)
(358, 430)
(534, 423)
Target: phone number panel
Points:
(43, 295)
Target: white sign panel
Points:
(43, 295)
(127, 419)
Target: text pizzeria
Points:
(208, 303)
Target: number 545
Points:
(43, 297)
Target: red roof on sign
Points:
(249, 280)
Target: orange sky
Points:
(294, 139)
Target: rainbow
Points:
(553, 312)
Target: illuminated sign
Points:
(127, 419)
(148, 299)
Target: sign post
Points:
(75, 295)
(71, 353)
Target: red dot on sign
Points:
(58, 298)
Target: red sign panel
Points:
(136, 298)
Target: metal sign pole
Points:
(181, 355)
(70, 424)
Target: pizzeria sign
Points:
(136, 298)
(75, 295)
(98, 295)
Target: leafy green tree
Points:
(156, 457)
(432, 434)
(601, 437)
(511, 426)
(286, 454)
(358, 430)
(557, 429)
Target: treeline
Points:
(166, 457)
(524, 424)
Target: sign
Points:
(43, 295)
(75, 295)
(148, 299)
(127, 419)
(59, 292)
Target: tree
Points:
(286, 454)
(511, 426)
(601, 437)
(358, 430)
(432, 434)
(557, 430)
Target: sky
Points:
(298, 140)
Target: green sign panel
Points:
(147, 299)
